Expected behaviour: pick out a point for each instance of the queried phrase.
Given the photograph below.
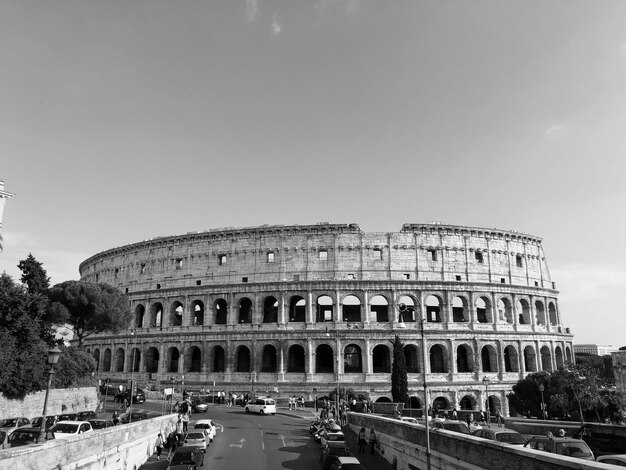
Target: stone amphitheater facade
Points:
(298, 309)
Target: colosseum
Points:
(302, 309)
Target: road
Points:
(252, 442)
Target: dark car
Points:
(456, 426)
(138, 397)
(109, 389)
(101, 423)
(50, 420)
(331, 452)
(68, 417)
(187, 458)
(86, 415)
(27, 435)
(137, 415)
(603, 439)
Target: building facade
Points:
(4, 197)
(300, 309)
(597, 349)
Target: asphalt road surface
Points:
(252, 442)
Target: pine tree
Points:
(34, 276)
(399, 376)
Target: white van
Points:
(263, 406)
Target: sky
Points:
(126, 120)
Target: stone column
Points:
(310, 309)
(310, 369)
(368, 358)
(281, 310)
(338, 314)
(366, 313)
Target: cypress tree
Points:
(399, 377)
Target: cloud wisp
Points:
(252, 10)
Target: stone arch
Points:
(269, 359)
(438, 359)
(540, 313)
(484, 312)
(546, 359)
(384, 400)
(379, 309)
(135, 359)
(297, 309)
(411, 358)
(245, 311)
(415, 403)
(459, 309)
(464, 362)
(270, 309)
(468, 402)
(325, 308)
(152, 360)
(493, 404)
(558, 357)
(530, 359)
(433, 308)
(243, 361)
(441, 403)
(172, 358)
(156, 315)
(221, 311)
(408, 314)
(511, 362)
(197, 312)
(193, 360)
(296, 358)
(505, 310)
(119, 360)
(219, 359)
(176, 314)
(568, 355)
(552, 314)
(140, 313)
(351, 308)
(324, 359)
(352, 361)
(381, 359)
(523, 310)
(96, 357)
(489, 359)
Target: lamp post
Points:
(315, 397)
(486, 383)
(132, 376)
(543, 405)
(337, 368)
(425, 394)
(53, 357)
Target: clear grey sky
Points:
(125, 120)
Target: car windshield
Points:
(510, 438)
(195, 435)
(65, 428)
(8, 423)
(573, 449)
(182, 457)
(202, 425)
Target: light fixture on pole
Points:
(543, 405)
(425, 394)
(53, 357)
(486, 384)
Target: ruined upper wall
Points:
(419, 252)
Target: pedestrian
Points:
(470, 421)
(172, 444)
(373, 441)
(179, 429)
(454, 414)
(396, 412)
(362, 441)
(498, 418)
(115, 418)
(159, 446)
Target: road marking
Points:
(240, 445)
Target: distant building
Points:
(4, 196)
(599, 349)
(619, 370)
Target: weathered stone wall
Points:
(71, 400)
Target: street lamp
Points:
(337, 341)
(543, 405)
(53, 357)
(315, 397)
(425, 394)
(132, 376)
(486, 383)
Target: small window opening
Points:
(502, 280)
(433, 254)
(222, 259)
(142, 268)
(158, 286)
(351, 277)
(198, 283)
(116, 273)
(518, 261)
(554, 285)
(179, 263)
(270, 256)
(479, 257)
(296, 277)
(536, 283)
(458, 278)
(323, 255)
(126, 290)
(378, 253)
(407, 276)
(244, 279)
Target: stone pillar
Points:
(368, 358)
(310, 369)
(231, 316)
(533, 313)
(310, 309)
(366, 312)
(514, 311)
(494, 309)
(281, 310)
(338, 314)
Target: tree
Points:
(399, 376)
(90, 308)
(74, 369)
(34, 276)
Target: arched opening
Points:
(152, 360)
(530, 363)
(546, 359)
(295, 359)
(242, 359)
(351, 308)
(106, 363)
(140, 312)
(406, 309)
(552, 314)
(459, 309)
(441, 403)
(411, 359)
(483, 310)
(270, 310)
(415, 403)
(176, 314)
(219, 362)
(558, 356)
(379, 309)
(383, 400)
(269, 359)
(352, 359)
(96, 357)
(119, 360)
(523, 310)
(193, 360)
(568, 355)
(493, 404)
(433, 309)
(221, 311)
(438, 359)
(173, 357)
(381, 361)
(540, 313)
(489, 359)
(463, 359)
(510, 359)
(156, 315)
(135, 359)
(297, 309)
(245, 311)
(505, 311)
(324, 308)
(197, 312)
(467, 403)
(324, 362)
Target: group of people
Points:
(363, 439)
(296, 402)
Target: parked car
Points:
(506, 436)
(137, 415)
(197, 439)
(4, 438)
(27, 435)
(263, 406)
(201, 407)
(68, 417)
(86, 415)
(50, 420)
(346, 463)
(456, 426)
(207, 426)
(108, 389)
(330, 436)
(603, 439)
(65, 429)
(409, 419)
(9, 424)
(618, 460)
(331, 452)
(186, 458)
(138, 397)
(561, 445)
(100, 423)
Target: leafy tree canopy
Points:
(34, 276)
(90, 308)
(399, 375)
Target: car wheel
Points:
(261, 412)
(247, 410)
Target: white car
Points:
(617, 459)
(65, 429)
(408, 419)
(263, 406)
(207, 426)
(197, 439)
